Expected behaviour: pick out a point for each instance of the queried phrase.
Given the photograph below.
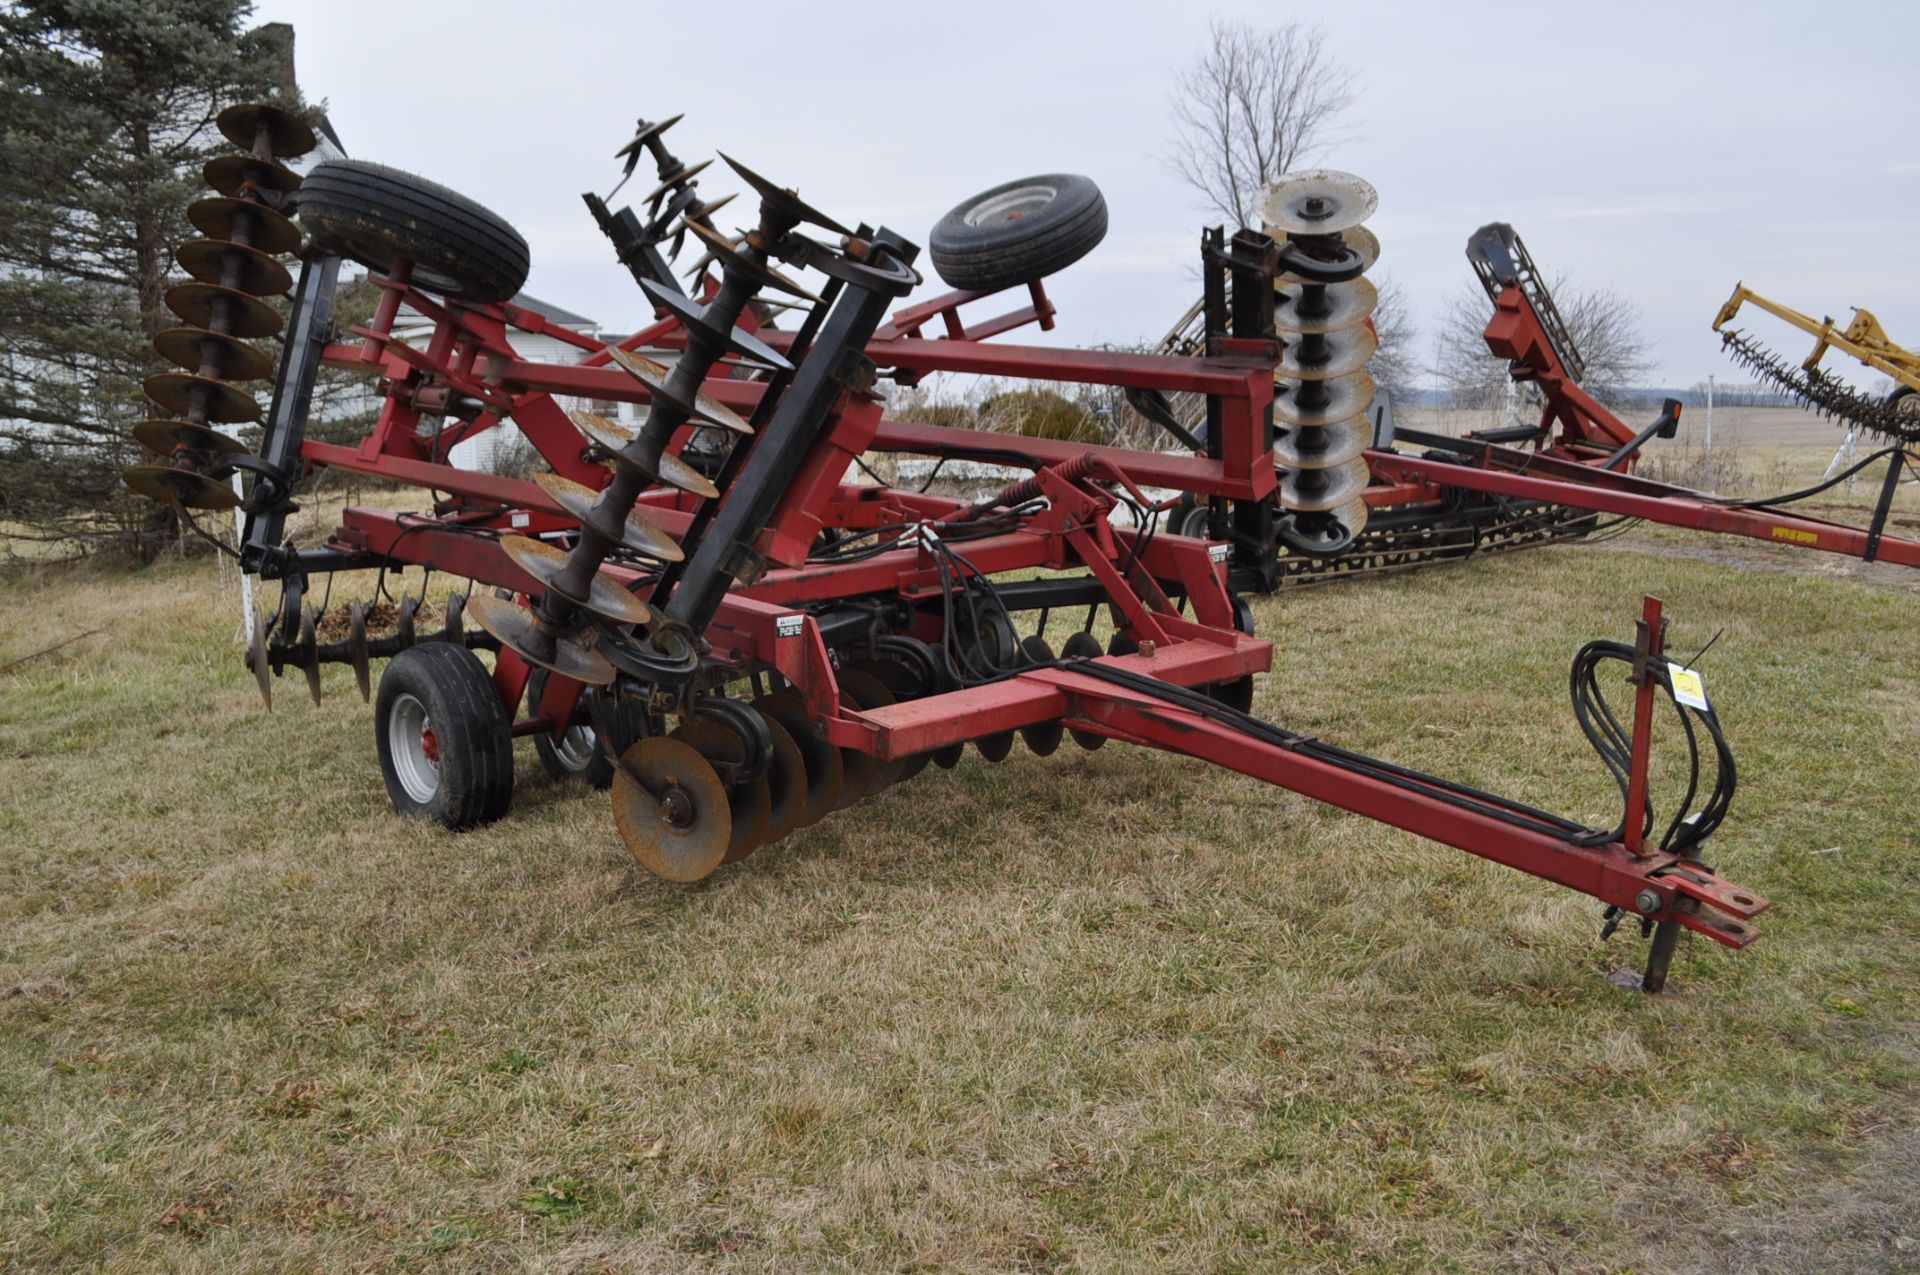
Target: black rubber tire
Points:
(1037, 241)
(473, 778)
(630, 727)
(376, 215)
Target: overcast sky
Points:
(1663, 150)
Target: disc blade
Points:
(357, 649)
(731, 258)
(786, 780)
(646, 133)
(680, 829)
(636, 534)
(164, 438)
(224, 405)
(1321, 356)
(517, 630)
(288, 136)
(677, 178)
(1327, 307)
(1083, 646)
(1325, 533)
(261, 227)
(738, 340)
(234, 175)
(605, 597)
(821, 761)
(1322, 201)
(309, 658)
(211, 260)
(1323, 402)
(784, 198)
(704, 407)
(195, 348)
(674, 472)
(1323, 446)
(1316, 490)
(208, 305)
(187, 488)
(257, 657)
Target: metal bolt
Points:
(676, 808)
(1646, 902)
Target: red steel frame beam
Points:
(1587, 487)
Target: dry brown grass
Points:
(1103, 1012)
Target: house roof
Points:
(559, 314)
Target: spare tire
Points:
(377, 215)
(1018, 232)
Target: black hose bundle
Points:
(1613, 741)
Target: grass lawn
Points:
(1111, 1011)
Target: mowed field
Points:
(1108, 1012)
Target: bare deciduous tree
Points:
(1394, 364)
(1604, 325)
(1254, 104)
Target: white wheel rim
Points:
(1010, 205)
(577, 748)
(414, 759)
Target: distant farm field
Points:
(1106, 1012)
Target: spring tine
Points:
(456, 628)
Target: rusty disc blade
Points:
(722, 249)
(234, 175)
(1340, 305)
(786, 781)
(678, 825)
(288, 135)
(1324, 402)
(208, 305)
(224, 404)
(309, 656)
(1323, 446)
(187, 488)
(638, 534)
(748, 801)
(705, 407)
(264, 228)
(1323, 356)
(256, 659)
(164, 438)
(1083, 646)
(1317, 490)
(821, 762)
(357, 649)
(673, 472)
(1321, 201)
(605, 597)
(868, 693)
(784, 198)
(210, 260)
(194, 348)
(948, 757)
(516, 628)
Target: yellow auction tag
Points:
(1687, 686)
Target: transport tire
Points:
(445, 743)
(377, 215)
(577, 756)
(1018, 232)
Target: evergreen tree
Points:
(106, 114)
